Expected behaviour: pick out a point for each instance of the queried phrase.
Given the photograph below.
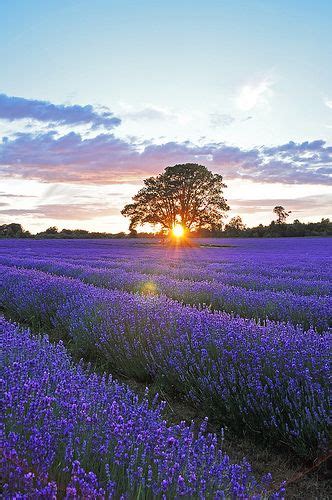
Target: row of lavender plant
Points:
(308, 311)
(235, 276)
(239, 277)
(289, 268)
(270, 380)
(271, 267)
(70, 433)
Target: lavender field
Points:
(237, 329)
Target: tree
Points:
(187, 194)
(12, 231)
(281, 214)
(52, 230)
(235, 225)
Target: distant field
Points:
(236, 330)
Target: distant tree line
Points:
(17, 231)
(233, 229)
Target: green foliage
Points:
(13, 231)
(296, 229)
(52, 230)
(235, 226)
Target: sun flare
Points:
(178, 231)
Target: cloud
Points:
(107, 159)
(48, 157)
(221, 120)
(148, 113)
(329, 103)
(18, 108)
(63, 211)
(293, 148)
(252, 95)
(12, 195)
(315, 204)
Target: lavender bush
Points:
(69, 433)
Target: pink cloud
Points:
(63, 211)
(108, 159)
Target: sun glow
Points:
(178, 231)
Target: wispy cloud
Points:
(63, 211)
(328, 103)
(253, 95)
(221, 120)
(18, 108)
(13, 195)
(316, 205)
(147, 112)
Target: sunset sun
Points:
(178, 231)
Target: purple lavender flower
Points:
(70, 433)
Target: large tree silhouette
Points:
(187, 194)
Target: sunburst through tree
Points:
(184, 198)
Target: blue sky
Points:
(231, 83)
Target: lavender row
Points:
(269, 380)
(73, 434)
(243, 276)
(308, 311)
(271, 265)
(258, 277)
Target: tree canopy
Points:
(281, 213)
(187, 194)
(13, 231)
(235, 226)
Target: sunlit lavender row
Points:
(258, 277)
(308, 311)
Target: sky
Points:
(96, 96)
